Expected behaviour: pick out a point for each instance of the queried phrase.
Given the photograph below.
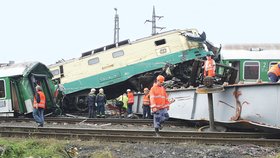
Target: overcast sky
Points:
(50, 30)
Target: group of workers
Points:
(96, 103)
(125, 102)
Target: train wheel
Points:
(81, 104)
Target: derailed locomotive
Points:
(175, 54)
(17, 88)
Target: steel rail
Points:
(96, 121)
(139, 132)
(147, 135)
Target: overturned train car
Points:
(17, 88)
(135, 65)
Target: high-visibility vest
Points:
(146, 99)
(209, 68)
(275, 69)
(130, 98)
(42, 103)
(158, 97)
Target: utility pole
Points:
(116, 28)
(153, 21)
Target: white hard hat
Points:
(38, 88)
(128, 90)
(92, 90)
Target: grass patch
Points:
(14, 147)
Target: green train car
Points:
(17, 88)
(134, 65)
(251, 65)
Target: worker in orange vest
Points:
(159, 103)
(274, 72)
(146, 104)
(209, 66)
(39, 105)
(130, 102)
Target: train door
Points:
(236, 65)
(43, 82)
(16, 99)
(5, 98)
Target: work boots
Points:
(157, 132)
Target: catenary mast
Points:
(116, 28)
(153, 21)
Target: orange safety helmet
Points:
(160, 78)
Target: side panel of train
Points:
(17, 89)
(256, 104)
(252, 65)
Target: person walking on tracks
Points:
(159, 103)
(101, 101)
(274, 73)
(209, 66)
(91, 103)
(146, 104)
(39, 105)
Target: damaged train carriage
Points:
(17, 88)
(133, 65)
(252, 65)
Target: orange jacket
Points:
(42, 103)
(130, 98)
(158, 97)
(209, 68)
(146, 99)
(275, 69)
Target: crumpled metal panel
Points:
(257, 104)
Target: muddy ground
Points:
(95, 149)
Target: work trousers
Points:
(92, 112)
(146, 111)
(38, 115)
(129, 108)
(100, 109)
(159, 117)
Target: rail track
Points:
(132, 135)
(113, 121)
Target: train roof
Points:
(22, 69)
(162, 34)
(254, 55)
(125, 42)
(248, 46)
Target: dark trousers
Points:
(101, 109)
(146, 111)
(159, 117)
(91, 112)
(129, 108)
